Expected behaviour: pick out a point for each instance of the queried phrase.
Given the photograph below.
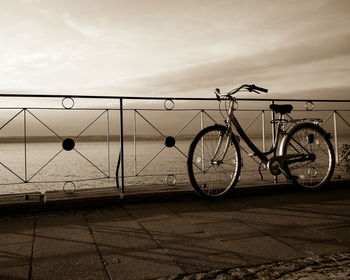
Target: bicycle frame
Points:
(233, 122)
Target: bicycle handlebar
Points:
(250, 88)
(254, 87)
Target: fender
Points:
(291, 130)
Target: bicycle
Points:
(301, 151)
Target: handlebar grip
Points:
(254, 87)
(217, 93)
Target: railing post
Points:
(273, 132)
(336, 137)
(121, 143)
(263, 129)
(108, 146)
(135, 167)
(273, 123)
(202, 127)
(25, 144)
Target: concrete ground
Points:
(184, 239)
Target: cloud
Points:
(82, 28)
(314, 55)
(31, 1)
(341, 93)
(161, 48)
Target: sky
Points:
(183, 48)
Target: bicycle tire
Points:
(213, 184)
(313, 174)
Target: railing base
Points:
(58, 201)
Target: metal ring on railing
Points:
(170, 180)
(309, 105)
(69, 190)
(68, 106)
(171, 104)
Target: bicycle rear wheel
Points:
(214, 162)
(312, 141)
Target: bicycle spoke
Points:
(301, 146)
(321, 149)
(310, 139)
(219, 161)
(298, 166)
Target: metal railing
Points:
(122, 107)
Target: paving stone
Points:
(262, 249)
(322, 248)
(62, 229)
(328, 208)
(190, 245)
(341, 233)
(64, 249)
(187, 206)
(197, 212)
(313, 222)
(230, 204)
(206, 217)
(16, 230)
(89, 275)
(292, 234)
(207, 262)
(170, 226)
(228, 230)
(16, 240)
(214, 217)
(143, 212)
(140, 264)
(15, 254)
(14, 272)
(262, 218)
(125, 246)
(66, 266)
(101, 215)
(288, 212)
(121, 236)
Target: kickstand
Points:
(259, 169)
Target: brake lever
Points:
(257, 92)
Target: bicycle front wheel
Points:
(311, 142)
(214, 162)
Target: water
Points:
(49, 167)
(89, 166)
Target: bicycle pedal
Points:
(252, 155)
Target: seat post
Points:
(282, 116)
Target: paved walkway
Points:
(178, 240)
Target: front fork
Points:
(216, 158)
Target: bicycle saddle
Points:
(282, 109)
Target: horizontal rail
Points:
(163, 98)
(154, 109)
